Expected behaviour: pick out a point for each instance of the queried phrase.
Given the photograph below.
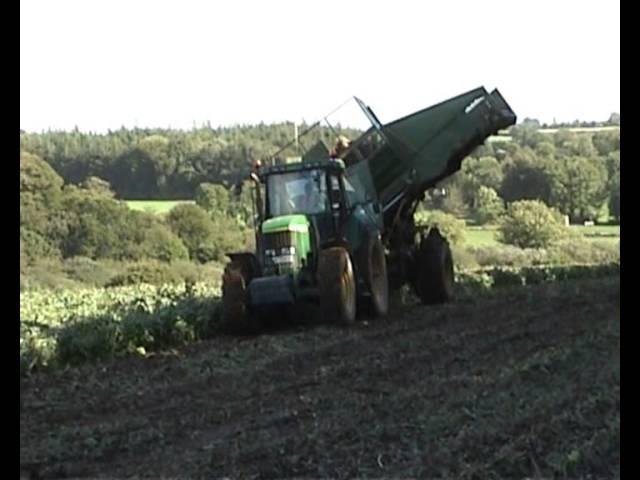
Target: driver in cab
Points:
(312, 201)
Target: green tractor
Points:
(335, 226)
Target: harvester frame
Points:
(336, 226)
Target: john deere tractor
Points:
(335, 217)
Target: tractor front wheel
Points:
(337, 285)
(236, 317)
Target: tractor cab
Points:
(313, 185)
(305, 208)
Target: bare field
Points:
(523, 382)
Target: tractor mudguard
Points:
(248, 262)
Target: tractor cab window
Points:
(297, 192)
(335, 194)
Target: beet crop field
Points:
(512, 382)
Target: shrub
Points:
(580, 250)
(229, 236)
(531, 224)
(160, 243)
(188, 271)
(463, 258)
(34, 246)
(46, 273)
(104, 228)
(451, 227)
(87, 271)
(39, 178)
(193, 225)
(508, 255)
(490, 206)
(212, 198)
(99, 187)
(88, 341)
(151, 272)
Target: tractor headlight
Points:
(288, 251)
(269, 252)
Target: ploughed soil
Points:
(519, 383)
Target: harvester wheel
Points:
(236, 318)
(337, 285)
(375, 275)
(434, 277)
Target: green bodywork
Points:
(291, 230)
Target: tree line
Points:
(576, 173)
(160, 163)
(70, 184)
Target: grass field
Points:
(581, 129)
(487, 235)
(505, 137)
(157, 207)
(499, 138)
(474, 236)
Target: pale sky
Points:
(103, 64)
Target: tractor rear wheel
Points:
(337, 285)
(434, 277)
(374, 271)
(236, 317)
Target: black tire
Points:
(434, 277)
(337, 285)
(374, 272)
(236, 317)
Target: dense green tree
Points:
(243, 202)
(193, 226)
(526, 135)
(161, 243)
(579, 187)
(545, 149)
(483, 171)
(34, 245)
(103, 228)
(170, 164)
(614, 197)
(526, 178)
(490, 206)
(606, 142)
(37, 178)
(613, 184)
(98, 186)
(213, 198)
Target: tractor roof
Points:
(327, 164)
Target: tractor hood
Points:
(286, 243)
(286, 223)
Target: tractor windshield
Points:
(297, 192)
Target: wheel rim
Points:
(347, 284)
(379, 285)
(348, 292)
